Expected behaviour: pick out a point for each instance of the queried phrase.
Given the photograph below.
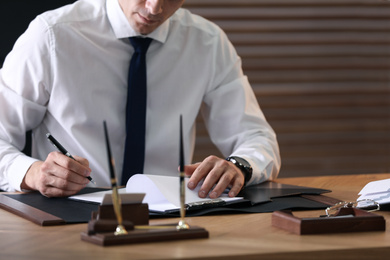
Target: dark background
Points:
(16, 16)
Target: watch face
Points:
(242, 161)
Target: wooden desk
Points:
(244, 236)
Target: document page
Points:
(163, 192)
(378, 191)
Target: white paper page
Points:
(376, 187)
(381, 198)
(162, 192)
(154, 197)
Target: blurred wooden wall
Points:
(321, 72)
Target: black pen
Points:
(116, 199)
(64, 151)
(182, 224)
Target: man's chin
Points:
(145, 28)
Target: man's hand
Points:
(57, 176)
(215, 171)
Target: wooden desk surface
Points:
(243, 236)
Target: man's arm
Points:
(237, 126)
(24, 80)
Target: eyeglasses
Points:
(366, 204)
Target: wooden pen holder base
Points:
(103, 224)
(145, 234)
(347, 220)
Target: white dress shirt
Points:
(68, 72)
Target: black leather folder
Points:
(264, 197)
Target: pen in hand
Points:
(64, 151)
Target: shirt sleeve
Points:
(23, 99)
(235, 122)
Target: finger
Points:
(82, 160)
(68, 177)
(200, 172)
(236, 185)
(76, 167)
(87, 170)
(59, 171)
(220, 177)
(237, 182)
(70, 168)
(54, 175)
(189, 169)
(52, 186)
(221, 186)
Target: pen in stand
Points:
(116, 200)
(182, 224)
(57, 145)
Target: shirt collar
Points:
(122, 28)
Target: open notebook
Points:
(161, 194)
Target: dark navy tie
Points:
(136, 110)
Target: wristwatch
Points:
(243, 165)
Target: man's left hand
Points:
(218, 174)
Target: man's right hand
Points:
(57, 176)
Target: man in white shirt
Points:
(68, 72)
